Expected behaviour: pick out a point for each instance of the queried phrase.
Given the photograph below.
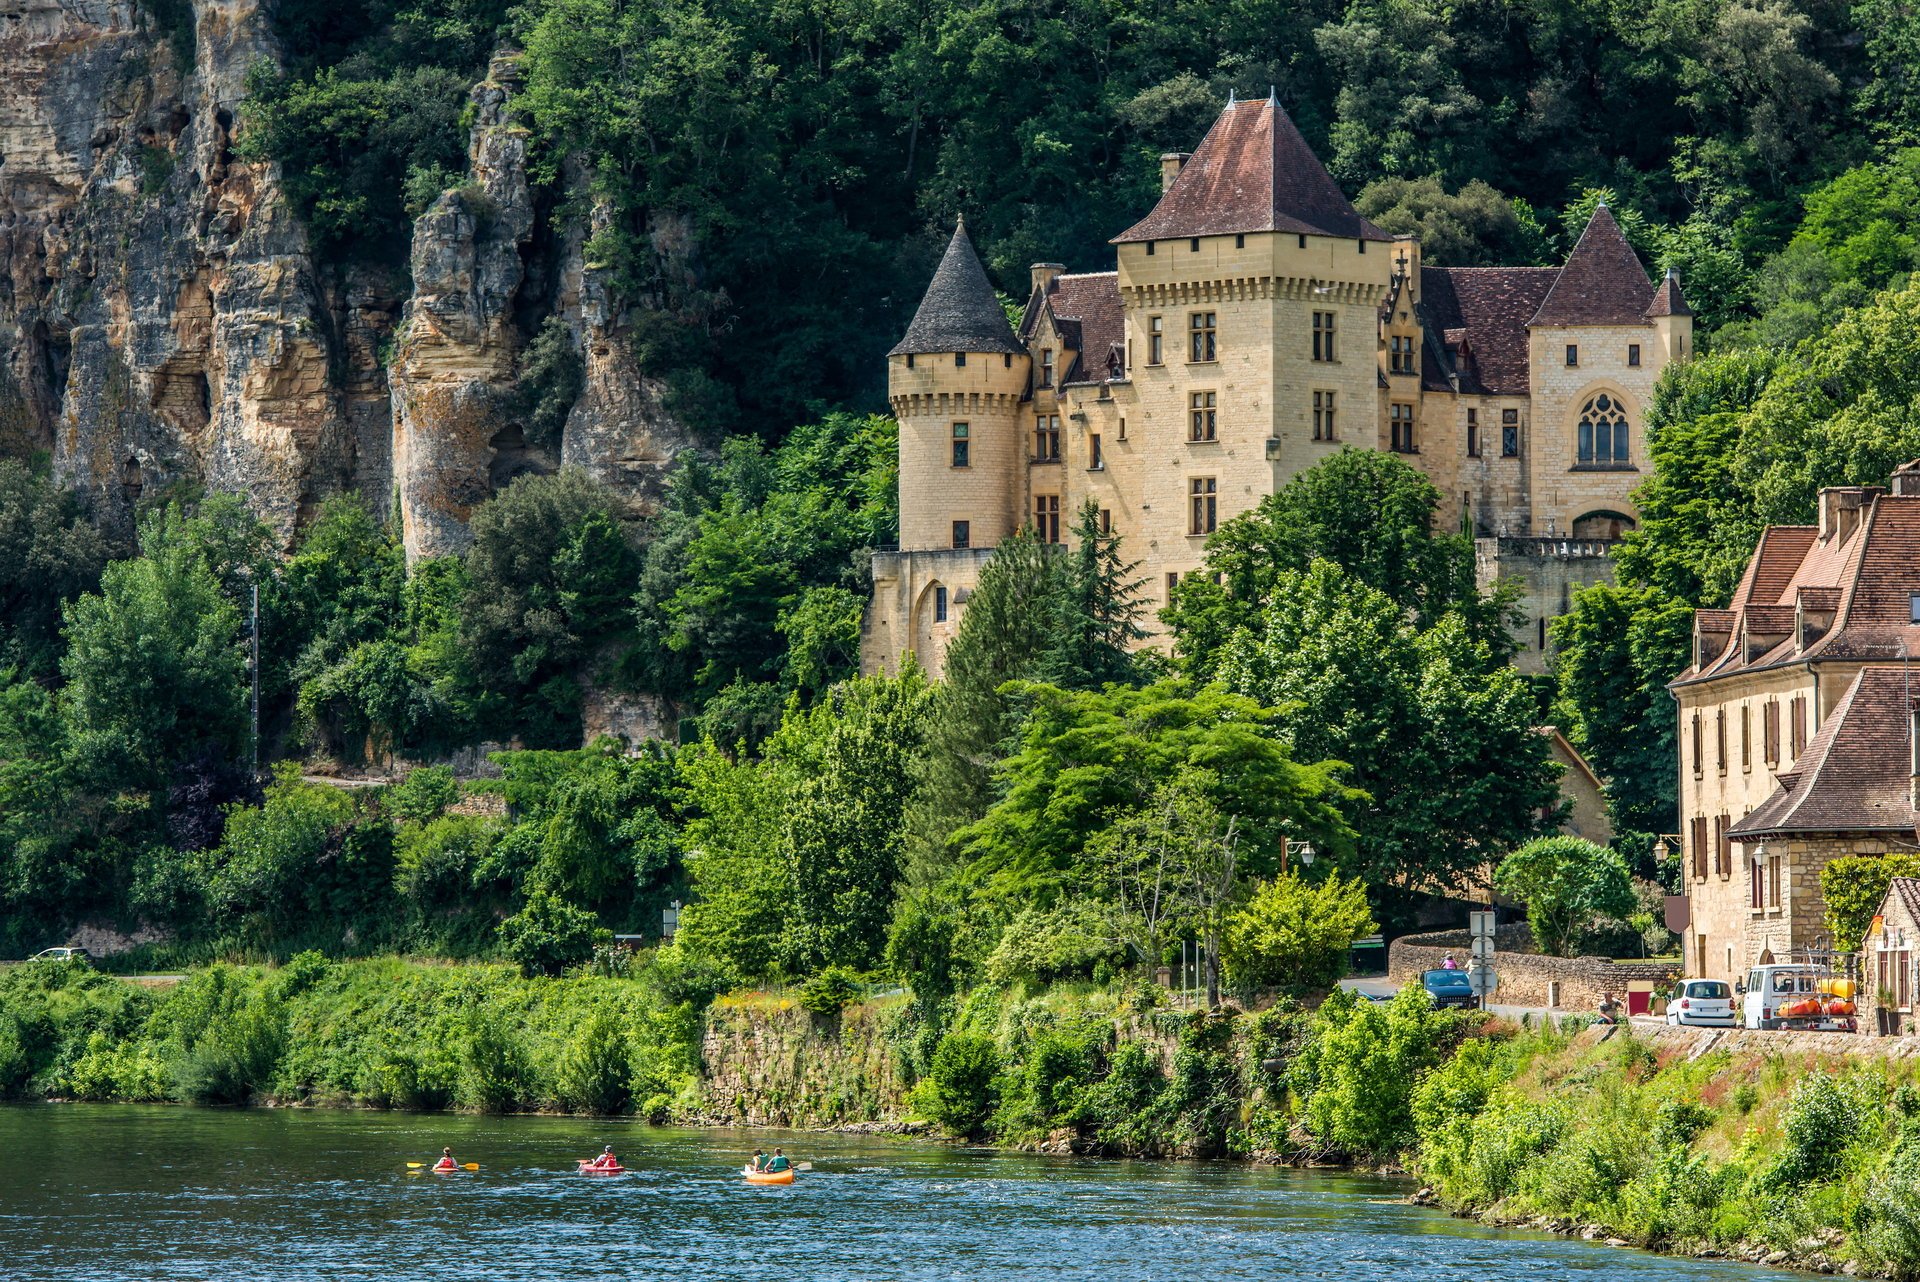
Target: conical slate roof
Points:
(960, 312)
(1602, 283)
(1252, 172)
(1667, 299)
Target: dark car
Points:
(1448, 988)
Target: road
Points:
(1379, 987)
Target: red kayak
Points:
(588, 1166)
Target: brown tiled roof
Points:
(1252, 172)
(1868, 579)
(1667, 298)
(1090, 305)
(1489, 308)
(1853, 774)
(960, 312)
(1602, 282)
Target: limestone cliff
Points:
(164, 322)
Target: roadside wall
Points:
(1526, 977)
(1695, 1042)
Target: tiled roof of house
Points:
(1667, 298)
(1252, 172)
(1483, 312)
(960, 312)
(1089, 317)
(1865, 572)
(1853, 774)
(1602, 282)
(1907, 891)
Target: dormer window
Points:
(1913, 607)
(1046, 367)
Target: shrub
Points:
(1566, 883)
(1822, 1120)
(493, 1065)
(962, 1086)
(424, 794)
(831, 991)
(595, 1070)
(549, 935)
(1126, 1106)
(228, 1037)
(1358, 1071)
(1295, 936)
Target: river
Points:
(105, 1192)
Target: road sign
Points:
(1483, 980)
(1483, 949)
(1480, 924)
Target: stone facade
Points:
(1796, 733)
(1253, 326)
(1550, 570)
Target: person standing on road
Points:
(1448, 963)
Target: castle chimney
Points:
(1044, 274)
(1171, 163)
(1840, 509)
(1906, 479)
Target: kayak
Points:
(588, 1168)
(768, 1177)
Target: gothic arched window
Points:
(1603, 430)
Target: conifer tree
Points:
(1097, 610)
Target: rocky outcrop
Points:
(165, 325)
(453, 372)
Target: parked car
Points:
(1797, 996)
(1448, 988)
(1703, 1001)
(63, 954)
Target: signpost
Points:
(1481, 976)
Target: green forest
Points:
(774, 179)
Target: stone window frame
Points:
(962, 441)
(962, 535)
(1473, 432)
(1046, 517)
(1510, 433)
(1326, 332)
(1156, 340)
(1633, 355)
(1203, 341)
(1617, 415)
(1203, 417)
(939, 603)
(1203, 505)
(1046, 367)
(1401, 428)
(1325, 410)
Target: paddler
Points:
(607, 1161)
(446, 1162)
(778, 1163)
(758, 1162)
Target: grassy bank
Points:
(1788, 1159)
(383, 1033)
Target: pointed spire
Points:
(1667, 299)
(1602, 282)
(960, 312)
(1253, 172)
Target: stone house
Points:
(1889, 980)
(1253, 325)
(1796, 725)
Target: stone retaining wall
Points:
(1526, 978)
(1695, 1042)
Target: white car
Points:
(1703, 1001)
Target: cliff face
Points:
(163, 321)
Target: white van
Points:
(1780, 997)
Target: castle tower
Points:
(955, 383)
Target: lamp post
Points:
(1306, 854)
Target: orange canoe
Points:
(769, 1177)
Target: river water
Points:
(99, 1192)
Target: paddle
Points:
(465, 1166)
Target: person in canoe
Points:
(446, 1162)
(777, 1163)
(606, 1161)
(758, 1162)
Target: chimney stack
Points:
(1044, 274)
(1171, 162)
(1841, 506)
(1906, 479)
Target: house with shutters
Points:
(1252, 325)
(1797, 726)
